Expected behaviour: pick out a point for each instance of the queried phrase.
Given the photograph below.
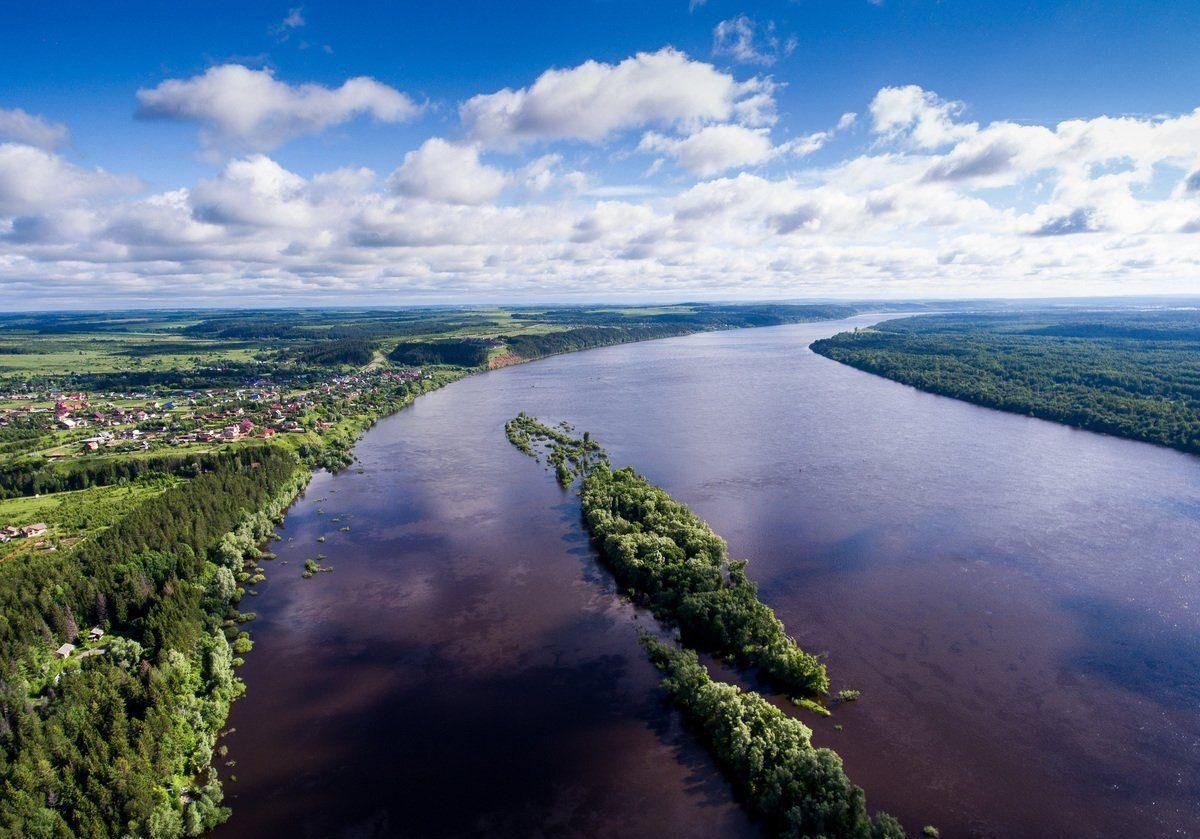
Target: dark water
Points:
(1017, 601)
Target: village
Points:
(78, 424)
(57, 425)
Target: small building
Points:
(64, 651)
(95, 634)
(29, 531)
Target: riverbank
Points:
(1130, 374)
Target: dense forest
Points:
(36, 476)
(354, 352)
(1131, 374)
(121, 742)
(793, 788)
(460, 352)
(666, 557)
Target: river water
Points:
(1016, 600)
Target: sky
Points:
(319, 153)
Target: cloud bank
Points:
(526, 194)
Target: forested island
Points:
(1130, 373)
(667, 559)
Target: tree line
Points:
(791, 787)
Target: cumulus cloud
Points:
(739, 38)
(715, 148)
(33, 179)
(252, 110)
(253, 192)
(593, 101)
(920, 116)
(33, 130)
(442, 171)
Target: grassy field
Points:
(73, 515)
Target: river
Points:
(1016, 600)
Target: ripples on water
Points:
(1016, 600)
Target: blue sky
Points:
(614, 209)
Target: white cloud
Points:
(715, 148)
(254, 192)
(921, 117)
(251, 109)
(718, 148)
(739, 39)
(934, 205)
(33, 179)
(442, 171)
(16, 124)
(294, 19)
(594, 101)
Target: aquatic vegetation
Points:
(814, 706)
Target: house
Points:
(95, 633)
(64, 651)
(31, 530)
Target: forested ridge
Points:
(668, 559)
(588, 328)
(1130, 374)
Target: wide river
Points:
(1016, 600)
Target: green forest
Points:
(121, 742)
(1130, 374)
(791, 787)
